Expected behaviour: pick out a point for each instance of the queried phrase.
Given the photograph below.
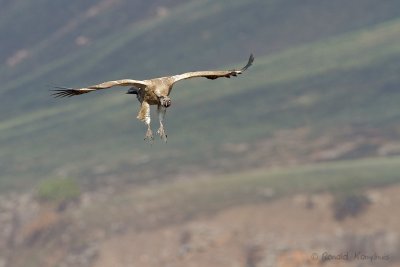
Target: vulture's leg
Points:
(144, 115)
(149, 134)
(161, 114)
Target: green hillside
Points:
(314, 69)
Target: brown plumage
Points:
(152, 92)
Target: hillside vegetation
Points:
(314, 69)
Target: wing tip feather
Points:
(249, 62)
(60, 92)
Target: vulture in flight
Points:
(152, 92)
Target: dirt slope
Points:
(286, 232)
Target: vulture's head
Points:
(165, 101)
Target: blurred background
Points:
(294, 163)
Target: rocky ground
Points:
(298, 230)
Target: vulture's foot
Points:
(162, 134)
(149, 136)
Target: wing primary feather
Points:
(65, 92)
(249, 63)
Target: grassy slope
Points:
(337, 81)
(147, 47)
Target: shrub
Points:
(349, 204)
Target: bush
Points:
(59, 191)
(350, 204)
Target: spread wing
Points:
(64, 91)
(214, 74)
